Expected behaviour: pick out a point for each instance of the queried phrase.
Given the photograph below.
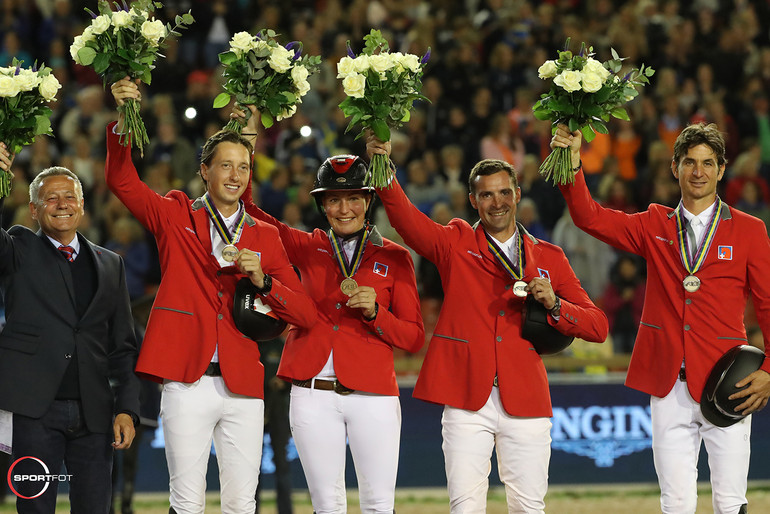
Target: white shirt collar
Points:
(703, 218)
(75, 243)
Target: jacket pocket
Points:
(172, 310)
(20, 337)
(642, 323)
(452, 338)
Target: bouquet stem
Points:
(235, 126)
(379, 170)
(557, 167)
(5, 184)
(134, 126)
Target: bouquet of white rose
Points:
(261, 72)
(584, 94)
(126, 42)
(381, 88)
(23, 110)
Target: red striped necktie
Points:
(68, 252)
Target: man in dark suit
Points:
(68, 336)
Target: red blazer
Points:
(478, 334)
(363, 350)
(676, 325)
(192, 313)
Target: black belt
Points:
(213, 370)
(324, 385)
(682, 375)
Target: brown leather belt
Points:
(213, 370)
(324, 385)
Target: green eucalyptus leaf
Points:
(101, 63)
(267, 120)
(381, 130)
(221, 100)
(86, 55)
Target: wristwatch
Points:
(556, 309)
(266, 286)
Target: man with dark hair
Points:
(491, 381)
(703, 260)
(68, 335)
(211, 374)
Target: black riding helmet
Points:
(342, 173)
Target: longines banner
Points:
(601, 434)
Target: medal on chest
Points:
(349, 269)
(515, 271)
(230, 251)
(693, 260)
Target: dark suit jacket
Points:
(42, 330)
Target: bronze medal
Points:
(347, 286)
(691, 283)
(229, 253)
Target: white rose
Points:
(381, 62)
(361, 63)
(288, 113)
(8, 86)
(345, 67)
(594, 66)
(592, 82)
(27, 80)
(547, 70)
(299, 73)
(303, 87)
(241, 42)
(49, 87)
(411, 62)
(280, 59)
(120, 19)
(568, 80)
(100, 24)
(88, 34)
(76, 45)
(258, 44)
(153, 31)
(354, 85)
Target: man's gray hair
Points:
(53, 171)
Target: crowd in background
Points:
(712, 62)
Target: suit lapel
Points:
(100, 276)
(200, 219)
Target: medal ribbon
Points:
(358, 253)
(219, 223)
(692, 263)
(501, 258)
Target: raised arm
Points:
(616, 228)
(428, 238)
(120, 173)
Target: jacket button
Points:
(219, 273)
(67, 355)
(335, 327)
(219, 294)
(219, 316)
(337, 306)
(688, 301)
(502, 313)
(687, 327)
(498, 339)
